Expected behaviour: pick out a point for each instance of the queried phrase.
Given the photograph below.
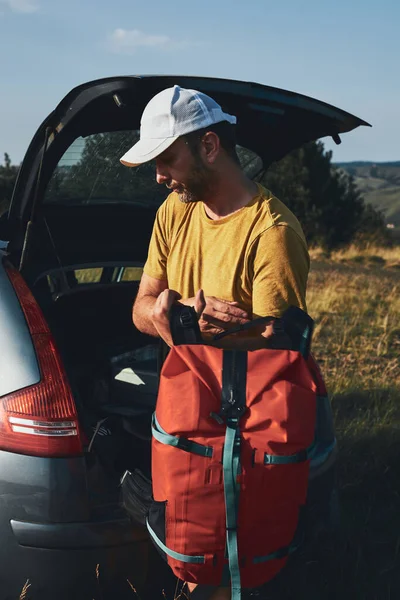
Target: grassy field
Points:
(379, 184)
(387, 200)
(354, 298)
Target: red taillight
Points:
(41, 419)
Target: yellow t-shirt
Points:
(256, 256)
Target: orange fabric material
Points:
(280, 419)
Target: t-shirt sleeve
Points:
(156, 263)
(280, 265)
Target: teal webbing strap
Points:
(231, 461)
(304, 343)
(317, 453)
(186, 558)
(302, 456)
(179, 442)
(320, 452)
(233, 406)
(281, 553)
(297, 541)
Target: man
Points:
(220, 242)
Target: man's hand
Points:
(162, 307)
(215, 315)
(220, 315)
(160, 314)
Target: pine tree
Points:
(325, 199)
(8, 176)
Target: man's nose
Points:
(161, 173)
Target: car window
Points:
(82, 276)
(132, 274)
(90, 173)
(69, 278)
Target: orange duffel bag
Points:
(233, 434)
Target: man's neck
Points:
(230, 195)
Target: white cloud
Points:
(20, 6)
(124, 41)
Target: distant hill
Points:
(379, 184)
(366, 163)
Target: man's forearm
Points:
(142, 315)
(261, 338)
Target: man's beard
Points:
(199, 184)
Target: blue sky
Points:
(343, 52)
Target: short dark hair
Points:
(227, 137)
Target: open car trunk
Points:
(112, 367)
(73, 159)
(76, 211)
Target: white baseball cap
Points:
(170, 114)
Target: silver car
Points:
(78, 382)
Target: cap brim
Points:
(145, 150)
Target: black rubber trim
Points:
(137, 495)
(95, 534)
(157, 522)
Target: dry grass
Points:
(356, 308)
(370, 255)
(24, 591)
(357, 333)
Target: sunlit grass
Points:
(369, 255)
(357, 332)
(354, 299)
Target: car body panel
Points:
(38, 489)
(68, 541)
(18, 364)
(93, 534)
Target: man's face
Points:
(184, 173)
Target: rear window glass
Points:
(90, 173)
(132, 274)
(86, 275)
(61, 280)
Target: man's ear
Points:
(211, 146)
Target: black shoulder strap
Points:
(184, 325)
(295, 323)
